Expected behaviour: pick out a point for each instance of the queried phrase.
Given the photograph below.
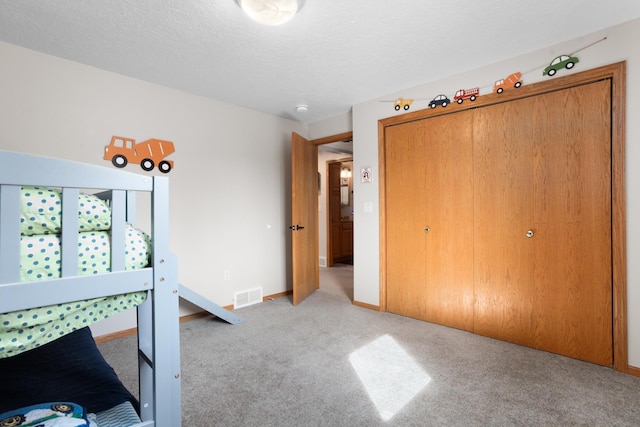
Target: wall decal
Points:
(462, 94)
(560, 62)
(439, 100)
(147, 154)
(512, 80)
(402, 103)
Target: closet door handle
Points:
(529, 233)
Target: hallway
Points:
(337, 280)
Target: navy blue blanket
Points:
(70, 368)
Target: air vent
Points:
(248, 297)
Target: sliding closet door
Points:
(573, 264)
(448, 191)
(503, 183)
(405, 208)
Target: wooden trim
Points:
(382, 212)
(633, 371)
(115, 335)
(194, 316)
(619, 216)
(333, 138)
(617, 73)
(367, 306)
(273, 296)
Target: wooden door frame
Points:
(328, 140)
(617, 74)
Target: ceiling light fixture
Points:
(270, 12)
(302, 108)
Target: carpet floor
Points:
(327, 362)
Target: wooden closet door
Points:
(429, 217)
(448, 192)
(503, 184)
(573, 264)
(405, 208)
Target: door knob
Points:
(427, 229)
(296, 227)
(529, 233)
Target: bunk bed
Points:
(152, 287)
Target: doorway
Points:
(335, 212)
(339, 212)
(305, 196)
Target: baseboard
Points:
(365, 305)
(115, 335)
(633, 371)
(278, 295)
(132, 331)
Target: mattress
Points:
(40, 260)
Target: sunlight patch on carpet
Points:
(389, 375)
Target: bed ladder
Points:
(211, 307)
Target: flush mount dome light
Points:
(270, 12)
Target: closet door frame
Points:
(616, 73)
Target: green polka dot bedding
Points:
(40, 224)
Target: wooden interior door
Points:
(448, 193)
(304, 218)
(503, 201)
(404, 212)
(573, 241)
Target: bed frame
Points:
(158, 317)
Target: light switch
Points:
(367, 207)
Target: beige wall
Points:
(240, 172)
(620, 44)
(230, 189)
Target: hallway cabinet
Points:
(498, 221)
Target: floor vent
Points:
(248, 297)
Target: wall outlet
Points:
(227, 275)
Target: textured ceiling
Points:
(333, 54)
